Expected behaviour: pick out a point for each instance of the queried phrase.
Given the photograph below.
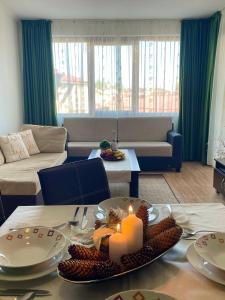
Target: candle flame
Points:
(130, 209)
(118, 227)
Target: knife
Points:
(84, 219)
(27, 296)
(21, 292)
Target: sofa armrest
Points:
(175, 139)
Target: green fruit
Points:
(104, 144)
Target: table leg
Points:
(134, 192)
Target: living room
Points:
(112, 128)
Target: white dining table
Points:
(171, 274)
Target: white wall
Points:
(115, 27)
(10, 74)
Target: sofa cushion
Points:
(2, 158)
(148, 148)
(82, 149)
(49, 139)
(28, 139)
(13, 148)
(90, 129)
(152, 129)
(20, 178)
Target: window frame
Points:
(132, 41)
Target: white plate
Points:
(30, 246)
(31, 273)
(204, 267)
(123, 203)
(211, 247)
(140, 294)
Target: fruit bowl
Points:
(110, 155)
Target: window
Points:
(113, 78)
(116, 76)
(158, 76)
(70, 64)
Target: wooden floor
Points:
(193, 184)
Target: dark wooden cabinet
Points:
(219, 176)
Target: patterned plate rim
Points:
(153, 292)
(35, 229)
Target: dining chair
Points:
(81, 182)
(2, 215)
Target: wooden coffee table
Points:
(124, 171)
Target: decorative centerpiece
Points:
(110, 152)
(120, 246)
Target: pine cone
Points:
(98, 224)
(165, 240)
(163, 225)
(87, 269)
(81, 252)
(138, 258)
(113, 218)
(77, 269)
(142, 214)
(106, 268)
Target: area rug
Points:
(153, 188)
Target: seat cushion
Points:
(49, 139)
(148, 148)
(90, 129)
(20, 178)
(82, 149)
(151, 129)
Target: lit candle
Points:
(117, 245)
(132, 229)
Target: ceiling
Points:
(114, 9)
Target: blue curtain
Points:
(38, 74)
(197, 60)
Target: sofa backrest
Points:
(153, 129)
(49, 139)
(90, 129)
(2, 158)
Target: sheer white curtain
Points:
(114, 68)
(113, 64)
(71, 76)
(216, 142)
(159, 75)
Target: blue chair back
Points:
(82, 182)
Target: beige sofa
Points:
(19, 182)
(84, 134)
(157, 146)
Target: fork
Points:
(84, 220)
(186, 233)
(72, 223)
